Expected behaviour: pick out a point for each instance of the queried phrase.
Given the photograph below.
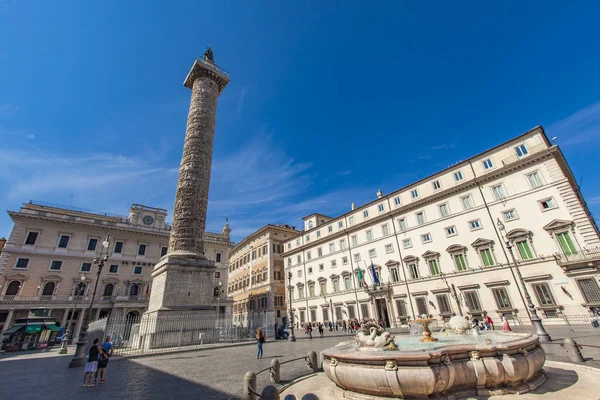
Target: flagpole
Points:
(367, 269)
(356, 296)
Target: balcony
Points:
(583, 258)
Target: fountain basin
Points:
(512, 363)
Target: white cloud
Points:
(581, 127)
(30, 136)
(443, 146)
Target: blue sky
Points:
(328, 101)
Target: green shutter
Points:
(433, 267)
(460, 262)
(524, 250)
(486, 255)
(564, 239)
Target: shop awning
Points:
(33, 328)
(52, 327)
(13, 329)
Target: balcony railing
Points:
(585, 255)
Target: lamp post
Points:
(78, 359)
(536, 321)
(292, 337)
(219, 291)
(77, 292)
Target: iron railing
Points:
(212, 64)
(580, 256)
(70, 299)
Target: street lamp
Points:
(536, 321)
(292, 337)
(79, 357)
(77, 292)
(219, 291)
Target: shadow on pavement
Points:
(558, 379)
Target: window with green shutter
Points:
(486, 257)
(434, 268)
(459, 260)
(524, 250)
(566, 244)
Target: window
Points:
(389, 248)
(289, 261)
(381, 208)
(394, 274)
(141, 249)
(323, 287)
(354, 240)
(307, 238)
(63, 242)
(299, 273)
(338, 313)
(297, 242)
(56, 265)
(444, 211)
(164, 249)
(524, 250)
(420, 217)
(458, 176)
(436, 185)
(92, 243)
(330, 228)
(308, 255)
(450, 231)
(299, 259)
(289, 246)
(407, 243)
(434, 267)
(344, 260)
(467, 202)
(311, 291)
(340, 224)
(22, 263)
(85, 267)
(401, 307)
(357, 257)
(351, 312)
(217, 275)
(486, 257)
(509, 215)
(342, 244)
(414, 193)
(543, 294)
(534, 180)
(426, 238)
(321, 267)
(459, 261)
(547, 204)
(372, 253)
(421, 303)
(331, 247)
(589, 289)
(521, 150)
(310, 224)
(254, 254)
(487, 163)
(402, 224)
(347, 283)
(351, 219)
(501, 298)
(137, 270)
(498, 192)
(276, 248)
(31, 238)
(385, 230)
(333, 263)
(301, 296)
(413, 268)
(397, 200)
(472, 301)
(364, 310)
(309, 270)
(113, 269)
(443, 303)
(475, 224)
(318, 234)
(566, 244)
(319, 252)
(265, 249)
(369, 235)
(277, 275)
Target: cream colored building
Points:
(437, 249)
(256, 277)
(51, 248)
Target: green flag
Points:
(360, 276)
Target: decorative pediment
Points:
(479, 243)
(430, 254)
(559, 224)
(112, 280)
(51, 278)
(456, 248)
(391, 263)
(333, 276)
(362, 270)
(310, 283)
(322, 279)
(16, 277)
(345, 273)
(300, 285)
(409, 259)
(138, 281)
(518, 233)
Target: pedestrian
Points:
(306, 328)
(92, 364)
(344, 326)
(309, 325)
(260, 339)
(320, 327)
(276, 331)
(505, 325)
(489, 322)
(107, 348)
(475, 322)
(337, 325)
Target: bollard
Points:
(274, 371)
(572, 350)
(321, 359)
(249, 381)
(313, 363)
(269, 393)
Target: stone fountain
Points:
(449, 366)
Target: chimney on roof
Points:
(353, 206)
(379, 194)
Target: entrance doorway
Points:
(382, 312)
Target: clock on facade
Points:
(148, 220)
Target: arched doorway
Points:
(131, 319)
(108, 290)
(49, 289)
(134, 290)
(13, 288)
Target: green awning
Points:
(52, 327)
(13, 329)
(33, 328)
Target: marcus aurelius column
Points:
(182, 280)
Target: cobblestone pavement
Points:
(205, 374)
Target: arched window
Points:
(108, 290)
(48, 289)
(135, 288)
(216, 292)
(13, 288)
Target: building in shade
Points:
(256, 278)
(50, 248)
(437, 248)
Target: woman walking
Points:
(260, 339)
(505, 325)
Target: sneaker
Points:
(102, 380)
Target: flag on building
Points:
(375, 277)
(360, 277)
